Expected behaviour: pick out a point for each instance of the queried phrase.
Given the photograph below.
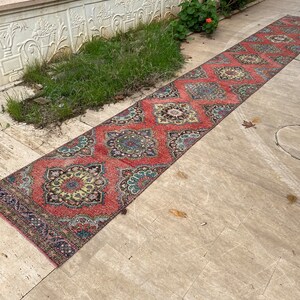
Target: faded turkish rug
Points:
(63, 199)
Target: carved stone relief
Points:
(39, 33)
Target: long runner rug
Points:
(63, 199)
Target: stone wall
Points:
(39, 31)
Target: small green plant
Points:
(227, 6)
(195, 17)
(190, 14)
(23, 111)
(209, 17)
(180, 31)
(15, 109)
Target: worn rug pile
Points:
(63, 199)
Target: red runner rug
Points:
(63, 199)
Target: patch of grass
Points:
(35, 72)
(24, 111)
(15, 109)
(102, 69)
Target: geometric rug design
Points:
(63, 199)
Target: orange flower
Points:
(208, 20)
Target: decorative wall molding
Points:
(38, 33)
